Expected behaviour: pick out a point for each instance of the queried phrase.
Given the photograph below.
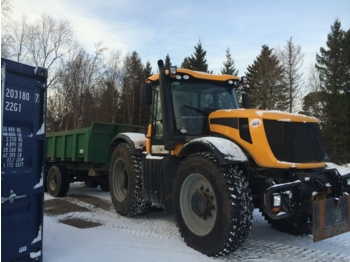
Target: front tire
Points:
(212, 204)
(125, 181)
(58, 181)
(292, 225)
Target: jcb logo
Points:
(337, 215)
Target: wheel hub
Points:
(201, 204)
(124, 180)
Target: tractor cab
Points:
(181, 100)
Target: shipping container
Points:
(23, 123)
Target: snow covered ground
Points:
(154, 237)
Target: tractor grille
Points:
(295, 142)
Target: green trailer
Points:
(81, 155)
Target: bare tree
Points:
(79, 78)
(314, 102)
(6, 10)
(48, 41)
(110, 91)
(292, 60)
(44, 43)
(57, 111)
(314, 83)
(17, 40)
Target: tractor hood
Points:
(272, 138)
(262, 114)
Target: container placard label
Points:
(12, 147)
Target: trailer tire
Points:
(58, 181)
(104, 185)
(292, 225)
(213, 205)
(125, 181)
(91, 182)
(47, 168)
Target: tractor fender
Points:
(136, 141)
(226, 151)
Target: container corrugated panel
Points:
(23, 116)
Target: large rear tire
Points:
(212, 204)
(58, 181)
(125, 181)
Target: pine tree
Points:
(332, 63)
(167, 64)
(347, 62)
(333, 67)
(186, 64)
(265, 78)
(197, 61)
(313, 105)
(229, 65)
(148, 70)
(133, 77)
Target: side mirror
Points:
(245, 100)
(146, 95)
(244, 81)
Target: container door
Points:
(23, 102)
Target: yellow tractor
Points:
(211, 163)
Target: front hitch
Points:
(281, 191)
(322, 195)
(296, 197)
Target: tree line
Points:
(105, 85)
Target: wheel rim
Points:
(120, 180)
(198, 204)
(53, 181)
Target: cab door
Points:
(157, 141)
(154, 177)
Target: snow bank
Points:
(343, 170)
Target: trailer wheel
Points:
(293, 225)
(104, 185)
(125, 181)
(58, 181)
(47, 168)
(90, 182)
(213, 205)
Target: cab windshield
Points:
(193, 102)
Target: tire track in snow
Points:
(254, 249)
(156, 224)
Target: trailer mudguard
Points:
(226, 151)
(136, 141)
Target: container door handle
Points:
(11, 198)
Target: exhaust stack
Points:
(167, 109)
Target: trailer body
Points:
(81, 155)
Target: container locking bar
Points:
(11, 198)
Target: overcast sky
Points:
(156, 28)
